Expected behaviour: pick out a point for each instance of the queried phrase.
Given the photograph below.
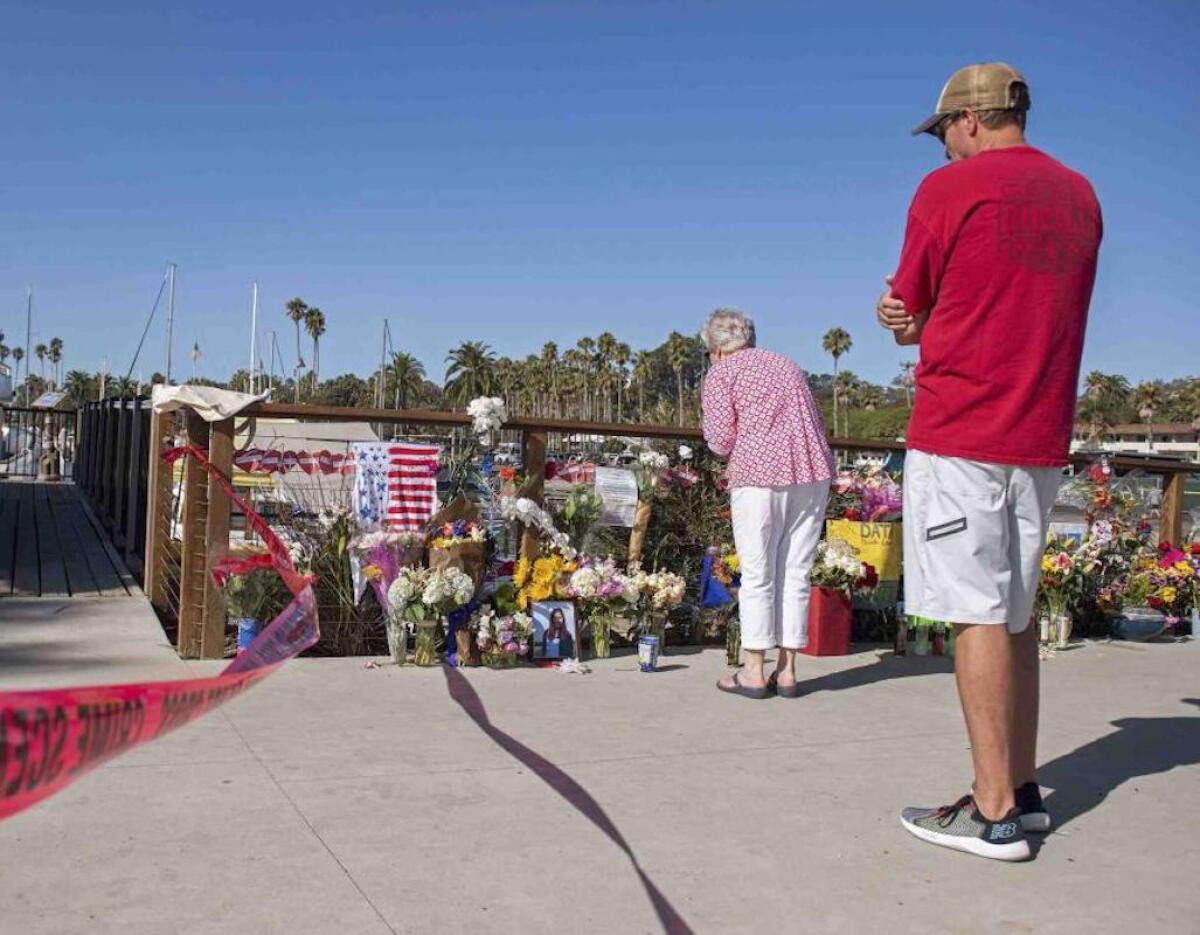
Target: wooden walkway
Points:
(51, 547)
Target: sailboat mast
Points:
(271, 384)
(28, 338)
(170, 319)
(253, 336)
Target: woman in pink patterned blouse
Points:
(760, 414)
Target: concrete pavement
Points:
(339, 799)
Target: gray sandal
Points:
(746, 691)
(783, 691)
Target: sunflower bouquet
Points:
(544, 579)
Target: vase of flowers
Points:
(602, 590)
(1063, 578)
(733, 641)
(658, 593)
(397, 637)
(423, 596)
(503, 640)
(837, 574)
(425, 652)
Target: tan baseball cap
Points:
(991, 86)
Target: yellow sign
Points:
(877, 544)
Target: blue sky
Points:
(522, 172)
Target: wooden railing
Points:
(178, 579)
(110, 469)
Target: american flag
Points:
(396, 486)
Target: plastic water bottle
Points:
(900, 646)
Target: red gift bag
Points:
(829, 616)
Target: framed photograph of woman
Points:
(555, 634)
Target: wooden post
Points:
(158, 513)
(1171, 527)
(216, 538)
(193, 562)
(533, 459)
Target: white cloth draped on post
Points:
(208, 402)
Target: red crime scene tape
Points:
(50, 738)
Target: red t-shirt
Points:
(1002, 247)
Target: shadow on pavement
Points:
(558, 780)
(886, 667)
(1083, 778)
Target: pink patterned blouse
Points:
(760, 413)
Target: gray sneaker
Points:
(962, 828)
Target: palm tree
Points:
(550, 363)
(471, 372)
(122, 387)
(870, 397)
(846, 386)
(314, 324)
(907, 380)
(621, 358)
(836, 342)
(606, 354)
(40, 352)
(587, 361)
(1105, 396)
(56, 355)
(407, 375)
(79, 385)
(296, 310)
(643, 372)
(1148, 400)
(18, 356)
(679, 352)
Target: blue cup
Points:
(648, 653)
(248, 630)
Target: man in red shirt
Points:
(994, 282)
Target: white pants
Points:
(776, 531)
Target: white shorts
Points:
(974, 534)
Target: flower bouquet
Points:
(1060, 590)
(658, 593)
(543, 579)
(380, 556)
(580, 514)
(488, 414)
(458, 539)
(725, 568)
(650, 471)
(1171, 583)
(525, 511)
(422, 596)
(865, 509)
(602, 591)
(838, 574)
(504, 640)
(869, 495)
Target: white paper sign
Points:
(618, 489)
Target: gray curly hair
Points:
(728, 329)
